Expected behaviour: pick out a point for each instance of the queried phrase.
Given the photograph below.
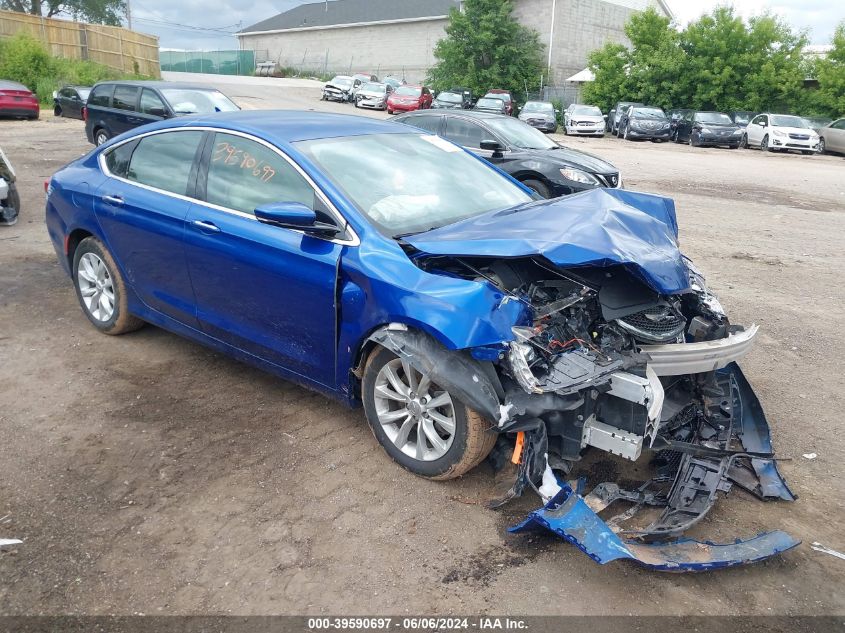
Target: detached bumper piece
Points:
(698, 456)
(568, 516)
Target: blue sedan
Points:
(388, 267)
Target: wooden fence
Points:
(112, 46)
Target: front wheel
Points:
(57, 111)
(422, 427)
(743, 142)
(538, 187)
(821, 146)
(101, 290)
(101, 136)
(764, 144)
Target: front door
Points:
(266, 290)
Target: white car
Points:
(779, 132)
(583, 119)
(373, 95)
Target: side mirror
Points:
(492, 146)
(293, 215)
(157, 112)
(763, 123)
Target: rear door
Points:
(834, 136)
(266, 290)
(124, 115)
(142, 209)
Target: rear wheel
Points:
(538, 187)
(420, 425)
(101, 290)
(100, 136)
(57, 111)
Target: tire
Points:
(14, 198)
(691, 142)
(57, 111)
(821, 145)
(764, 144)
(91, 253)
(101, 136)
(389, 111)
(540, 187)
(470, 441)
(743, 142)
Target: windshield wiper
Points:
(399, 236)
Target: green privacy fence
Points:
(215, 62)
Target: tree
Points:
(98, 11)
(486, 48)
(829, 99)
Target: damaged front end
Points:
(608, 363)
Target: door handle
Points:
(205, 225)
(115, 200)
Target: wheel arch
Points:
(72, 241)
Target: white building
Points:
(397, 37)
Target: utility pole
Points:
(551, 40)
(128, 15)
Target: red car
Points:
(505, 96)
(408, 98)
(17, 100)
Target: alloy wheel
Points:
(415, 414)
(102, 137)
(821, 146)
(764, 144)
(96, 287)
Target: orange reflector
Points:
(517, 449)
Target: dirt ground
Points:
(146, 474)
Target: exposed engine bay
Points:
(607, 363)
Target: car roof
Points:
(472, 114)
(285, 126)
(12, 85)
(156, 84)
(76, 87)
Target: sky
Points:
(190, 24)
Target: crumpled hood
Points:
(598, 227)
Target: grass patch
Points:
(26, 60)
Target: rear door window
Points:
(244, 174)
(427, 122)
(101, 95)
(117, 160)
(164, 160)
(125, 97)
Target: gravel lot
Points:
(146, 474)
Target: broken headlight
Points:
(520, 356)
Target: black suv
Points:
(115, 107)
(644, 122)
(522, 151)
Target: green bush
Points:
(26, 60)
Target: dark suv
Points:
(518, 149)
(115, 107)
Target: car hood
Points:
(793, 130)
(568, 157)
(536, 115)
(592, 118)
(596, 228)
(341, 88)
(372, 95)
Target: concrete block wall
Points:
(404, 49)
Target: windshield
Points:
(392, 81)
(648, 113)
(504, 96)
(783, 120)
(408, 183)
(742, 119)
(713, 117)
(586, 110)
(408, 91)
(450, 97)
(484, 102)
(520, 134)
(341, 82)
(374, 87)
(538, 106)
(186, 101)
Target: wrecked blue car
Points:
(392, 269)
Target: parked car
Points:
(708, 128)
(344, 254)
(10, 201)
(816, 122)
(408, 98)
(362, 79)
(741, 117)
(341, 88)
(519, 150)
(491, 104)
(69, 101)
(466, 93)
(505, 96)
(644, 123)
(616, 113)
(448, 100)
(581, 119)
(16, 100)
(780, 132)
(832, 137)
(115, 107)
(540, 114)
(393, 81)
(674, 116)
(373, 95)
